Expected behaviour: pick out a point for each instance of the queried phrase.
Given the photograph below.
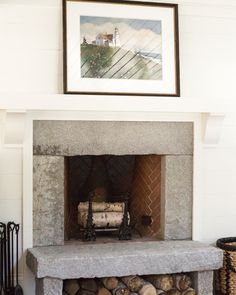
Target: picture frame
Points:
(113, 47)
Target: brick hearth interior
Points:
(111, 177)
(151, 160)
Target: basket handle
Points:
(230, 263)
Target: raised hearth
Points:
(90, 260)
(51, 265)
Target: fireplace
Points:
(153, 163)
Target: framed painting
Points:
(121, 48)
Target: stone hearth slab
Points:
(121, 259)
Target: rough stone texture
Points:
(70, 138)
(122, 259)
(176, 197)
(48, 201)
(49, 286)
(203, 282)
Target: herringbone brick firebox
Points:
(112, 176)
(145, 202)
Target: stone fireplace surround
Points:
(55, 139)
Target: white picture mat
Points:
(77, 84)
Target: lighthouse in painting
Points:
(108, 40)
(116, 38)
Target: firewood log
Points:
(103, 291)
(189, 291)
(85, 292)
(71, 287)
(121, 289)
(174, 292)
(134, 283)
(88, 284)
(162, 282)
(102, 219)
(161, 292)
(182, 282)
(110, 283)
(147, 289)
(102, 207)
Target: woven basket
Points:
(226, 277)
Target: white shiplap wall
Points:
(31, 62)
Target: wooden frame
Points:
(144, 63)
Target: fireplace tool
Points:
(3, 266)
(9, 244)
(18, 289)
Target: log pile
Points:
(176, 284)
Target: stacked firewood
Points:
(176, 284)
(105, 214)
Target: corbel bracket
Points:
(14, 128)
(213, 127)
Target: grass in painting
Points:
(112, 63)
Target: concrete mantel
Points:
(122, 258)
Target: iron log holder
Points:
(124, 231)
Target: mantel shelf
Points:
(62, 102)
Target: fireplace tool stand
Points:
(124, 230)
(9, 244)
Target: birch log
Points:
(102, 219)
(134, 283)
(110, 283)
(102, 207)
(121, 289)
(147, 289)
(162, 282)
(182, 282)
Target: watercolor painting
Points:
(120, 48)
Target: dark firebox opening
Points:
(110, 178)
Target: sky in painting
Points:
(135, 34)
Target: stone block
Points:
(176, 197)
(203, 282)
(69, 138)
(123, 259)
(49, 286)
(48, 201)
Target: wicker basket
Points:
(226, 278)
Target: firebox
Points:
(121, 187)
